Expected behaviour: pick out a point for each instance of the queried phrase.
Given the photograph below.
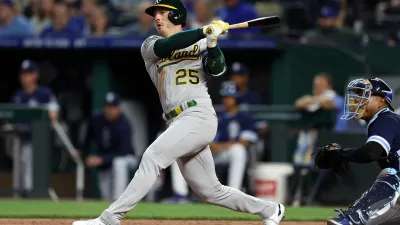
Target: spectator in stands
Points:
(74, 7)
(111, 131)
(60, 27)
(88, 8)
(202, 15)
(31, 95)
(77, 20)
(321, 111)
(324, 98)
(237, 11)
(125, 6)
(189, 5)
(30, 7)
(13, 25)
(99, 23)
(42, 17)
(145, 26)
(328, 32)
(240, 75)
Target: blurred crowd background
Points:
(110, 111)
(306, 20)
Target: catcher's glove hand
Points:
(329, 156)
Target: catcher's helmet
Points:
(359, 93)
(229, 88)
(178, 12)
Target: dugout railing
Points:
(20, 120)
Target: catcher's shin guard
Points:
(377, 200)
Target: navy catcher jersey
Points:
(235, 127)
(384, 128)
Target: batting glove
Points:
(213, 31)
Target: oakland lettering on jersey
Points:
(189, 55)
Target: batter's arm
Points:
(215, 61)
(164, 46)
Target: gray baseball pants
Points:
(186, 141)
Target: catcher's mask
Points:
(359, 92)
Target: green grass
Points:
(71, 209)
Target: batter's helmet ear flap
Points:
(177, 17)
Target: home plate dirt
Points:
(148, 222)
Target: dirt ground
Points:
(146, 222)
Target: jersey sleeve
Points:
(51, 103)
(147, 48)
(248, 129)
(383, 131)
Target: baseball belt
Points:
(178, 110)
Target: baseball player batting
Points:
(179, 63)
(369, 100)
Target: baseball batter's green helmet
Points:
(178, 12)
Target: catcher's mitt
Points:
(329, 156)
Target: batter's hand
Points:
(213, 31)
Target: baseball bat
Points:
(260, 22)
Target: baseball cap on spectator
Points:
(28, 66)
(328, 12)
(239, 69)
(7, 2)
(112, 99)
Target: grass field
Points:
(71, 209)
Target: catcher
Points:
(369, 100)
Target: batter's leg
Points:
(199, 172)
(179, 185)
(187, 135)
